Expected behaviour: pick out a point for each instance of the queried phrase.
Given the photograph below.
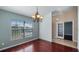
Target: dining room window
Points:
(21, 29)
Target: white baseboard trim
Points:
(18, 44)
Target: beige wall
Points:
(71, 15)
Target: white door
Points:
(60, 30)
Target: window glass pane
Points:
(28, 30)
(19, 30)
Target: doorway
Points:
(68, 31)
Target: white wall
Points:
(45, 28)
(78, 29)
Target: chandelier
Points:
(37, 17)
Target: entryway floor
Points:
(66, 42)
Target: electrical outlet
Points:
(2, 43)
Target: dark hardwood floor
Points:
(40, 46)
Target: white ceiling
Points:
(30, 10)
